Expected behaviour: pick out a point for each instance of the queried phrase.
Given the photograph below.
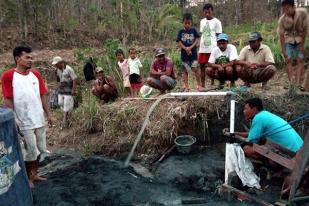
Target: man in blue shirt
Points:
(266, 125)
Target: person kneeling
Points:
(104, 86)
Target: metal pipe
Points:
(188, 94)
(232, 116)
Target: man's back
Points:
(275, 129)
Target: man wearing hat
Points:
(162, 74)
(104, 87)
(67, 87)
(256, 62)
(292, 29)
(221, 64)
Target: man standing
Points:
(67, 88)
(256, 61)
(210, 28)
(293, 29)
(162, 74)
(24, 91)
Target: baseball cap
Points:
(223, 37)
(56, 60)
(99, 69)
(159, 51)
(253, 36)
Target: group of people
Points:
(209, 52)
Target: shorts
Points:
(126, 82)
(169, 81)
(135, 78)
(188, 66)
(258, 75)
(293, 51)
(66, 102)
(203, 58)
(34, 143)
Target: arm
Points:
(74, 86)
(9, 103)
(46, 110)
(243, 134)
(282, 44)
(112, 83)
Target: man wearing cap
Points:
(256, 62)
(104, 86)
(162, 74)
(67, 88)
(221, 64)
(293, 29)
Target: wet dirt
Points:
(96, 180)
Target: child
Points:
(134, 67)
(124, 66)
(210, 28)
(187, 39)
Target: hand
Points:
(226, 132)
(188, 50)
(285, 55)
(220, 68)
(49, 120)
(302, 49)
(253, 66)
(73, 93)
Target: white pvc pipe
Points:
(232, 116)
(201, 93)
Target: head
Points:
(222, 41)
(160, 55)
(22, 57)
(119, 55)
(208, 11)
(255, 40)
(58, 62)
(252, 107)
(99, 73)
(288, 7)
(132, 53)
(187, 20)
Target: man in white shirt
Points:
(67, 87)
(210, 27)
(24, 91)
(221, 64)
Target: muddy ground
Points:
(96, 180)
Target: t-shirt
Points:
(161, 67)
(124, 67)
(294, 28)
(263, 54)
(276, 130)
(134, 65)
(187, 38)
(209, 29)
(26, 91)
(222, 57)
(66, 77)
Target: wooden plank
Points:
(243, 195)
(266, 152)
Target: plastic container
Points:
(184, 143)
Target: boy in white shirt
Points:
(222, 61)
(210, 28)
(134, 67)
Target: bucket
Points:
(184, 143)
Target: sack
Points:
(89, 70)
(53, 100)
